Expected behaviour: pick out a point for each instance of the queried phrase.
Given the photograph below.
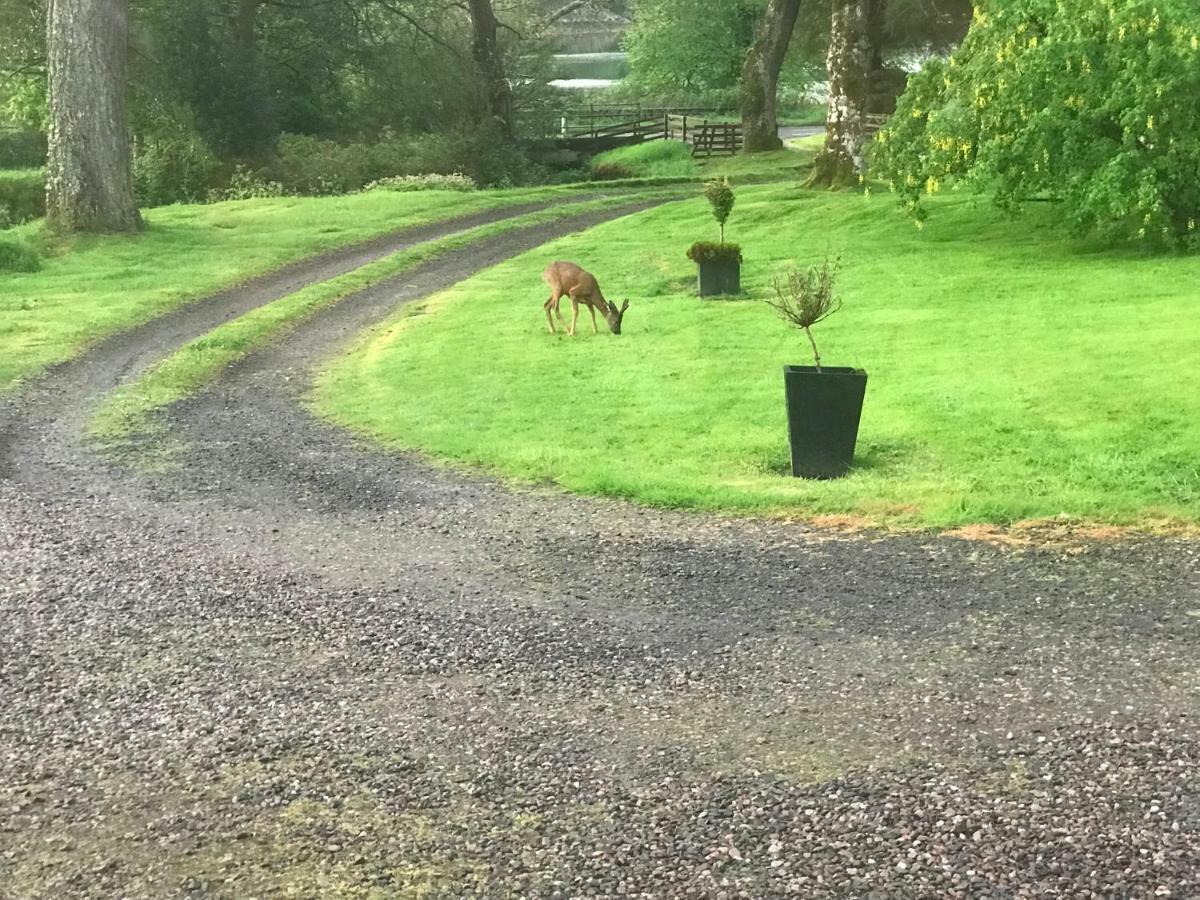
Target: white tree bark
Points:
(849, 60)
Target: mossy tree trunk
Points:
(485, 48)
(841, 161)
(760, 76)
(89, 177)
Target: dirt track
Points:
(296, 663)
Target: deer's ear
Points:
(624, 306)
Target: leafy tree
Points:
(1091, 104)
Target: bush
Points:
(1092, 104)
(22, 149)
(18, 257)
(611, 172)
(707, 251)
(246, 185)
(173, 169)
(316, 167)
(424, 183)
(23, 194)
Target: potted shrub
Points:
(824, 403)
(720, 265)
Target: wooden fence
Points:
(704, 137)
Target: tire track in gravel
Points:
(675, 705)
(122, 356)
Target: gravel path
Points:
(292, 665)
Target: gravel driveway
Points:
(278, 662)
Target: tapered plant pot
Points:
(824, 409)
(720, 277)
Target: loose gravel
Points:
(293, 665)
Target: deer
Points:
(568, 279)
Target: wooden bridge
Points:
(593, 129)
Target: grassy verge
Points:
(129, 410)
(89, 288)
(1014, 375)
(663, 160)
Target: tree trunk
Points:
(486, 50)
(246, 24)
(89, 178)
(760, 76)
(841, 161)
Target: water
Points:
(576, 71)
(590, 60)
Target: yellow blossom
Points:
(1149, 123)
(1191, 224)
(920, 225)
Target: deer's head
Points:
(614, 316)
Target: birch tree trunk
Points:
(760, 76)
(849, 60)
(486, 50)
(89, 176)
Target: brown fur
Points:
(568, 279)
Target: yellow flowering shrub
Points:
(1091, 103)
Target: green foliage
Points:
(173, 168)
(22, 149)
(22, 194)
(16, 256)
(652, 159)
(1093, 104)
(245, 184)
(707, 251)
(424, 183)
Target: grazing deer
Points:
(570, 280)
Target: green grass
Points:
(128, 411)
(653, 159)
(673, 160)
(1014, 374)
(92, 287)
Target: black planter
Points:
(823, 413)
(720, 276)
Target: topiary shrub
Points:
(707, 251)
(18, 257)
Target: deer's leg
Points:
(574, 316)
(547, 306)
(592, 310)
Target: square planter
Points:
(823, 410)
(720, 277)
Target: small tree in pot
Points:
(824, 404)
(720, 265)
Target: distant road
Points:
(792, 132)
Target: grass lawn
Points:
(673, 159)
(92, 287)
(128, 410)
(1013, 374)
